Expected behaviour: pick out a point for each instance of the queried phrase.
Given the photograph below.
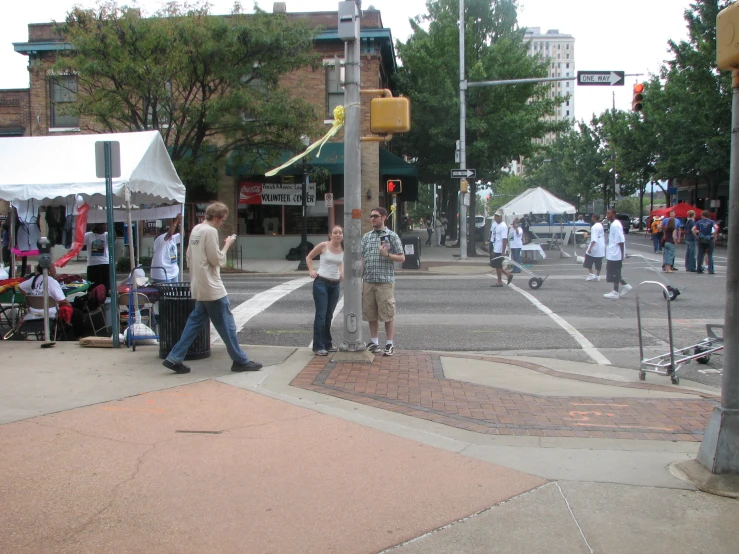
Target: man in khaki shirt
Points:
(205, 259)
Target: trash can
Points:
(175, 306)
(412, 250)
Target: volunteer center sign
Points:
(282, 194)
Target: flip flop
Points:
(497, 285)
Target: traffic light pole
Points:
(462, 135)
(719, 451)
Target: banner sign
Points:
(281, 194)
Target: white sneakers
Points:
(592, 277)
(615, 295)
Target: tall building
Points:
(559, 51)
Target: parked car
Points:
(625, 220)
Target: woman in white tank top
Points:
(326, 290)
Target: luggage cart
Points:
(535, 282)
(672, 291)
(669, 364)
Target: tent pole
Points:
(182, 243)
(12, 242)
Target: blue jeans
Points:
(702, 249)
(219, 312)
(657, 240)
(690, 255)
(326, 296)
(669, 256)
(516, 253)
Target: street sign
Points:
(601, 78)
(329, 200)
(463, 173)
(115, 159)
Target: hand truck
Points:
(669, 364)
(535, 282)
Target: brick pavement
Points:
(413, 383)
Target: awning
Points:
(332, 160)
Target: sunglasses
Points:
(375, 216)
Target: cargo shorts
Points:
(378, 302)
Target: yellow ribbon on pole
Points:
(338, 124)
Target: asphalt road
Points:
(463, 313)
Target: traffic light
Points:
(638, 99)
(394, 186)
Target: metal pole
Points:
(46, 305)
(114, 323)
(352, 198)
(719, 451)
(462, 135)
(303, 266)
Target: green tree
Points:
(503, 191)
(209, 84)
(502, 121)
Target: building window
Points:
(334, 87)
(568, 111)
(568, 65)
(258, 90)
(568, 47)
(62, 91)
(568, 102)
(568, 56)
(559, 47)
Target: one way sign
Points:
(463, 173)
(601, 78)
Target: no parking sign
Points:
(329, 200)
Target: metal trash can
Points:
(412, 250)
(175, 306)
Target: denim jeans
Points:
(326, 296)
(702, 249)
(669, 256)
(516, 253)
(657, 240)
(219, 312)
(690, 255)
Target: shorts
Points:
(613, 270)
(378, 302)
(590, 261)
(496, 263)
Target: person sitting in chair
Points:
(35, 287)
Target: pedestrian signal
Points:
(638, 99)
(394, 186)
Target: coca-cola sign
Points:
(250, 193)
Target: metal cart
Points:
(669, 364)
(535, 282)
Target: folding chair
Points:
(33, 324)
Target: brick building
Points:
(267, 227)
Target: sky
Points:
(629, 35)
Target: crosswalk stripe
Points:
(258, 303)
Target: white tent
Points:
(537, 201)
(52, 168)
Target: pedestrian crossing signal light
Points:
(638, 99)
(394, 186)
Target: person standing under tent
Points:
(98, 264)
(164, 263)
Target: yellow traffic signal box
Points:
(637, 101)
(727, 38)
(390, 115)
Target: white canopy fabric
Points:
(537, 201)
(50, 169)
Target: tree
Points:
(209, 84)
(502, 121)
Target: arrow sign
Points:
(601, 78)
(463, 173)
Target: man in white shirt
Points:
(596, 250)
(205, 259)
(498, 244)
(615, 254)
(34, 286)
(164, 263)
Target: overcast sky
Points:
(629, 35)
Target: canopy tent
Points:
(536, 201)
(681, 210)
(68, 168)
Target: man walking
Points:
(381, 248)
(205, 260)
(498, 244)
(615, 254)
(596, 250)
(705, 231)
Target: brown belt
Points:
(329, 281)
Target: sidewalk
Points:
(453, 452)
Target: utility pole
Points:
(352, 348)
(462, 136)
